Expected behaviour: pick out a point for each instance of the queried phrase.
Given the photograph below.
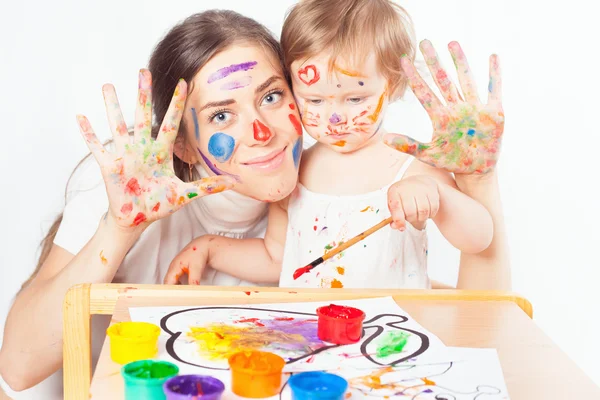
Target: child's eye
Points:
(315, 102)
(355, 100)
(271, 98)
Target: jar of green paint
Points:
(144, 379)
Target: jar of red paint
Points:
(340, 324)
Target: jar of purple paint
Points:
(197, 387)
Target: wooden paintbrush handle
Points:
(357, 238)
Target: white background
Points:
(56, 55)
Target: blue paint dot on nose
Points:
(297, 151)
(221, 146)
(471, 132)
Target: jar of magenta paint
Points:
(197, 387)
(340, 324)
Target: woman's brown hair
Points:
(184, 50)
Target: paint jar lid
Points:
(187, 386)
(133, 331)
(256, 362)
(148, 372)
(335, 312)
(317, 385)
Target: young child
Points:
(344, 59)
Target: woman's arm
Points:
(32, 347)
(141, 188)
(490, 269)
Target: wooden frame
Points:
(84, 300)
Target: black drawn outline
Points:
(173, 336)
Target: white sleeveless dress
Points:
(386, 259)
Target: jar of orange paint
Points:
(256, 374)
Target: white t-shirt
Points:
(227, 213)
(386, 259)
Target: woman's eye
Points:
(355, 100)
(271, 98)
(315, 102)
(221, 118)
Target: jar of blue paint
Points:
(317, 386)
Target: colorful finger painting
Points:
(199, 340)
(204, 337)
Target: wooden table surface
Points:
(533, 366)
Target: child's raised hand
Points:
(191, 261)
(466, 133)
(414, 199)
(140, 182)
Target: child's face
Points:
(344, 109)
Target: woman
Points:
(238, 128)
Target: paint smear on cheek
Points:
(309, 75)
(262, 133)
(226, 71)
(196, 127)
(340, 143)
(373, 117)
(292, 106)
(296, 124)
(297, 151)
(214, 168)
(221, 146)
(237, 84)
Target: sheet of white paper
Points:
(478, 375)
(204, 337)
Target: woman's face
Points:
(241, 120)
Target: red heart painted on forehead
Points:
(309, 78)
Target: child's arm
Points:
(254, 260)
(429, 193)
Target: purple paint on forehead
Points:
(334, 119)
(225, 71)
(237, 84)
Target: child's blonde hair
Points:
(351, 30)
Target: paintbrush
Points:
(301, 271)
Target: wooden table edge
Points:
(84, 300)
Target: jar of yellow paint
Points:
(132, 341)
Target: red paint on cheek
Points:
(156, 207)
(139, 218)
(292, 106)
(133, 187)
(296, 124)
(262, 133)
